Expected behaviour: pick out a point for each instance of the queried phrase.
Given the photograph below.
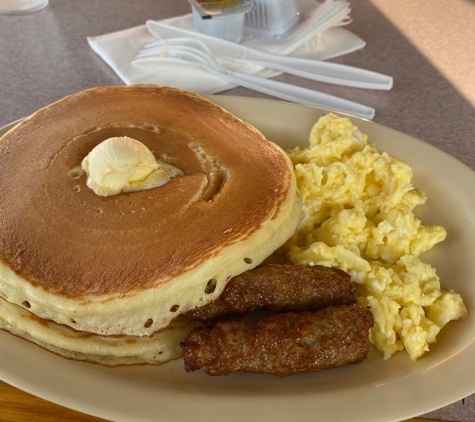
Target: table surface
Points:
(428, 47)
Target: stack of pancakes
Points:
(106, 279)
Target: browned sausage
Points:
(280, 288)
(281, 344)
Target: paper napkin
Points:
(119, 50)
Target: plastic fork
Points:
(191, 57)
(310, 69)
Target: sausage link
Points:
(280, 288)
(281, 344)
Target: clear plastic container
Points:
(13, 7)
(271, 18)
(226, 23)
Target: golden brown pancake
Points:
(130, 263)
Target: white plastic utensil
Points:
(330, 13)
(310, 69)
(188, 56)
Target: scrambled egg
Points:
(358, 216)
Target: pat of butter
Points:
(123, 164)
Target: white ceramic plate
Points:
(375, 390)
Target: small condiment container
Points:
(220, 18)
(271, 18)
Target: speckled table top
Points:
(428, 48)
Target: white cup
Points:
(14, 7)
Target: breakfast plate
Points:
(375, 390)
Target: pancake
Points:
(109, 351)
(129, 264)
